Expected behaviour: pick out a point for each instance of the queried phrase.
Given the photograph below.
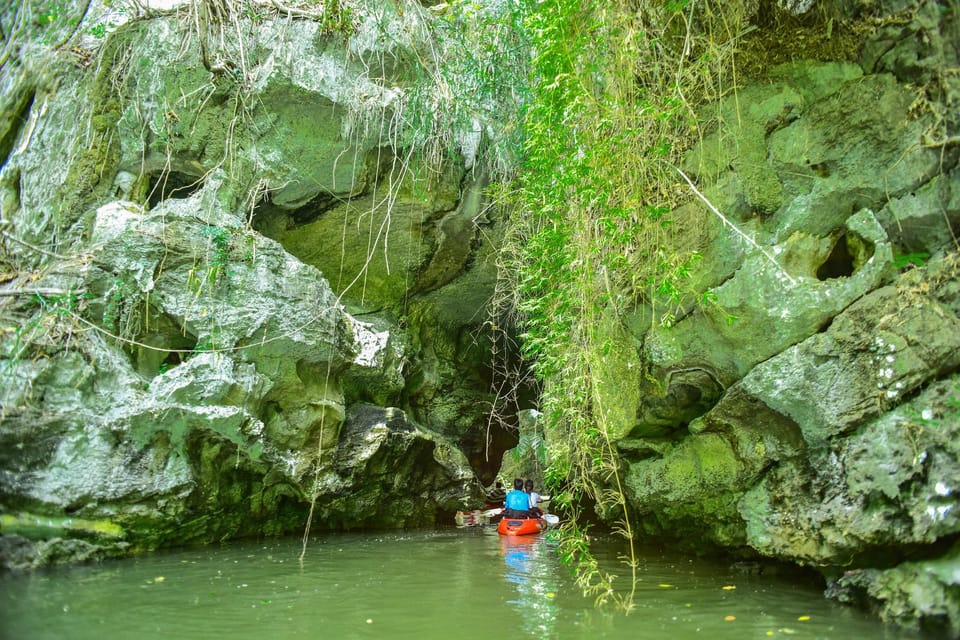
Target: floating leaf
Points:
(803, 618)
(730, 618)
(664, 585)
(729, 587)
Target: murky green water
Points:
(449, 584)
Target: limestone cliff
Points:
(247, 261)
(810, 413)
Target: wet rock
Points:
(918, 595)
(16, 552)
(389, 472)
(19, 553)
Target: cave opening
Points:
(272, 219)
(839, 264)
(161, 349)
(172, 184)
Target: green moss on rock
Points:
(39, 527)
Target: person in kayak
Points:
(533, 499)
(496, 496)
(517, 503)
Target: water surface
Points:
(446, 584)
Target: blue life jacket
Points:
(517, 500)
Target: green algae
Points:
(38, 527)
(95, 158)
(695, 469)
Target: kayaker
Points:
(533, 499)
(496, 496)
(517, 503)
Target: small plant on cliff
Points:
(214, 270)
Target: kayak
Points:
(521, 526)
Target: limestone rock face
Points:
(389, 471)
(809, 414)
(255, 269)
(246, 397)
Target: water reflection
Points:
(535, 580)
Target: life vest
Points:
(517, 500)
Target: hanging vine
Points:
(611, 110)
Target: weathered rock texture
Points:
(811, 414)
(246, 291)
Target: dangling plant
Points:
(610, 112)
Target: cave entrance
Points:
(172, 184)
(839, 264)
(165, 346)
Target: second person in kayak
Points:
(534, 500)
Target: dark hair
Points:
(528, 484)
(517, 483)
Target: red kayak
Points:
(520, 526)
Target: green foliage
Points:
(252, 12)
(49, 13)
(594, 233)
(470, 87)
(531, 444)
(60, 305)
(101, 29)
(125, 310)
(215, 271)
(50, 21)
(114, 305)
(918, 259)
(220, 243)
(571, 230)
(41, 325)
(337, 18)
